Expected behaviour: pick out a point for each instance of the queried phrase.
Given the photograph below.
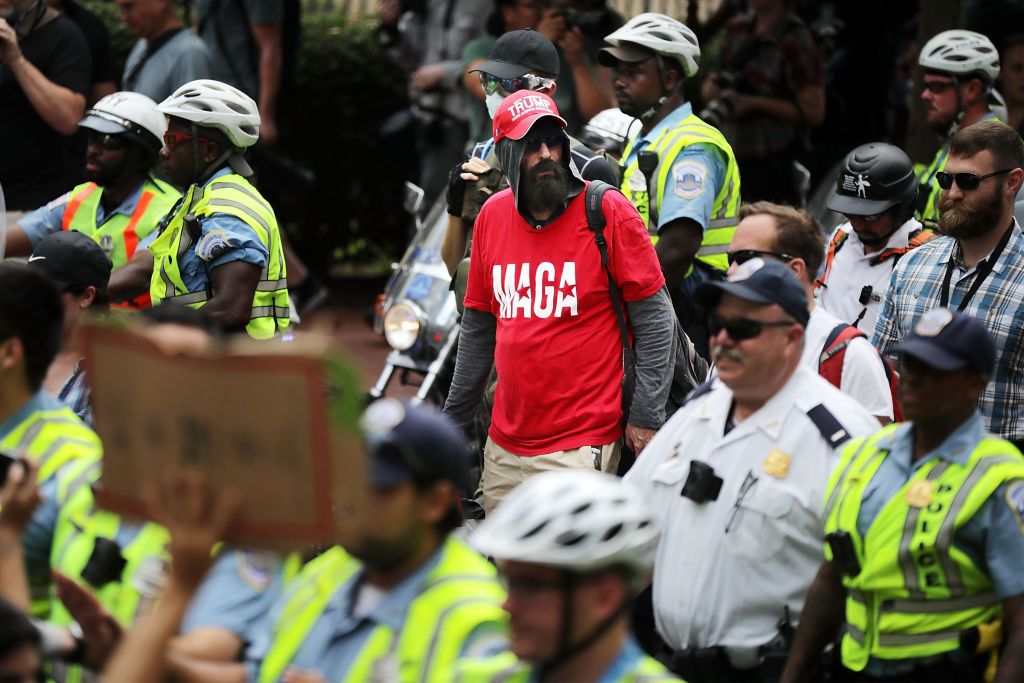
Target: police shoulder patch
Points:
(256, 569)
(688, 178)
(213, 244)
(59, 202)
(1015, 499)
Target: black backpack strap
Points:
(596, 222)
(831, 429)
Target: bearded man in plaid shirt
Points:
(977, 267)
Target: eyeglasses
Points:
(491, 83)
(938, 87)
(172, 139)
(743, 255)
(740, 329)
(965, 181)
(113, 143)
(550, 140)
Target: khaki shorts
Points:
(503, 470)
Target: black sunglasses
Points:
(938, 87)
(965, 181)
(107, 141)
(743, 255)
(740, 329)
(551, 140)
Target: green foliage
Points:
(345, 88)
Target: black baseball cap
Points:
(522, 52)
(763, 281)
(949, 340)
(72, 260)
(407, 442)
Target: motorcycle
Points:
(416, 313)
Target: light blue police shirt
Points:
(49, 219)
(696, 177)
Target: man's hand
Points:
(389, 12)
(572, 46)
(457, 179)
(268, 131)
(19, 496)
(196, 518)
(10, 51)
(101, 632)
(637, 438)
(427, 77)
(552, 24)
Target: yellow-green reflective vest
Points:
(119, 235)
(235, 196)
(928, 200)
(505, 668)
(52, 438)
(724, 212)
(916, 592)
(459, 595)
(79, 524)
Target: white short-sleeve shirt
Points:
(863, 377)
(727, 569)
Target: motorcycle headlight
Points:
(402, 326)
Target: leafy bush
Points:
(345, 88)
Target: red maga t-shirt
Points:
(558, 353)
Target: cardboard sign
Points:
(256, 415)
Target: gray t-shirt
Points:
(225, 26)
(182, 58)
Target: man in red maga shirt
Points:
(538, 306)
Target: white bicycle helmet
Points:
(609, 130)
(127, 113)
(959, 52)
(662, 35)
(212, 104)
(577, 520)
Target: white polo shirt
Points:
(852, 270)
(724, 579)
(863, 378)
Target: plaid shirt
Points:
(76, 394)
(915, 288)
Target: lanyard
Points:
(982, 271)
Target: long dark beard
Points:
(545, 194)
(956, 220)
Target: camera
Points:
(702, 484)
(720, 109)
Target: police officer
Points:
(574, 547)
(122, 202)
(877, 191)
(34, 424)
(220, 248)
(925, 530)
(685, 164)
(736, 478)
(404, 598)
(960, 68)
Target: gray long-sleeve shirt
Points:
(654, 340)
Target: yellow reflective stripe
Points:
(938, 606)
(722, 223)
(855, 633)
(187, 299)
(217, 185)
(897, 639)
(713, 250)
(269, 312)
(272, 285)
(247, 210)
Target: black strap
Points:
(151, 49)
(831, 429)
(982, 271)
(596, 222)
